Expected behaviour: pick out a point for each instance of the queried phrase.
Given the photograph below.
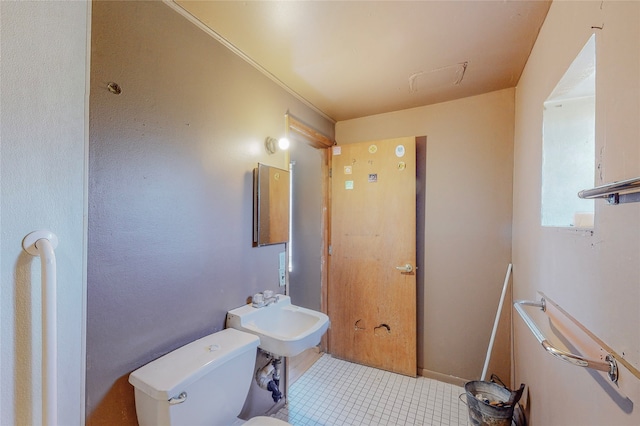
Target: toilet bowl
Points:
(264, 421)
(202, 383)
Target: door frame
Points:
(318, 140)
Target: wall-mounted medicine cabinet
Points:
(271, 205)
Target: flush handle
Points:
(407, 269)
(178, 399)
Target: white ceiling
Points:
(352, 59)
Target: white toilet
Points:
(202, 383)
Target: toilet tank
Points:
(213, 374)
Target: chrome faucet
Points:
(266, 298)
(269, 300)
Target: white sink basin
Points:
(284, 329)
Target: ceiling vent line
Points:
(461, 69)
(226, 43)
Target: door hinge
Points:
(330, 172)
(330, 250)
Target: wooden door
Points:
(372, 303)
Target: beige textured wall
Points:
(596, 278)
(467, 238)
(42, 175)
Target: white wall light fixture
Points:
(272, 144)
(283, 144)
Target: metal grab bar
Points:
(609, 366)
(612, 190)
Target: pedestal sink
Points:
(284, 329)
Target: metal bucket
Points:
(483, 413)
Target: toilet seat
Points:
(265, 421)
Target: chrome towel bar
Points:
(609, 366)
(612, 191)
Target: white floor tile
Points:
(338, 393)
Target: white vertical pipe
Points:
(495, 323)
(43, 243)
(50, 329)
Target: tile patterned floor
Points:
(335, 392)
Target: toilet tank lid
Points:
(171, 373)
